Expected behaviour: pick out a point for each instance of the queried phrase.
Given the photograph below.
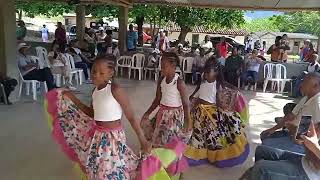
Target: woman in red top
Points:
(223, 47)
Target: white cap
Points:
(180, 45)
(23, 45)
(156, 51)
(161, 30)
(101, 28)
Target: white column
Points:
(123, 25)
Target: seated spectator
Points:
(313, 66)
(308, 105)
(30, 70)
(310, 53)
(153, 59)
(59, 64)
(115, 50)
(251, 75)
(80, 61)
(233, 67)
(180, 50)
(276, 164)
(9, 84)
(220, 59)
(198, 65)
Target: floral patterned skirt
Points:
(217, 138)
(101, 152)
(165, 128)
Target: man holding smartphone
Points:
(309, 105)
(277, 164)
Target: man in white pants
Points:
(44, 33)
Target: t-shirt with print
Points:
(253, 65)
(233, 63)
(313, 68)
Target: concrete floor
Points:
(28, 152)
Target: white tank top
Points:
(208, 91)
(170, 93)
(105, 106)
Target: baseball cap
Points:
(23, 45)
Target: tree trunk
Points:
(139, 22)
(20, 15)
(183, 33)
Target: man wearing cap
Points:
(30, 70)
(132, 39)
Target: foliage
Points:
(101, 11)
(48, 9)
(303, 22)
(261, 24)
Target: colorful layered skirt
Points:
(164, 128)
(101, 153)
(217, 137)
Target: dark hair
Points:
(108, 58)
(172, 57)
(213, 64)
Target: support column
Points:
(8, 62)
(80, 21)
(123, 25)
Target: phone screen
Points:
(303, 126)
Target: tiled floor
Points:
(28, 152)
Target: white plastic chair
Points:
(73, 70)
(42, 54)
(187, 66)
(124, 62)
(267, 74)
(33, 84)
(279, 78)
(137, 63)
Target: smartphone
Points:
(303, 126)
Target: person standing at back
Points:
(44, 33)
(132, 39)
(223, 47)
(233, 67)
(60, 37)
(163, 43)
(206, 45)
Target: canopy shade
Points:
(284, 5)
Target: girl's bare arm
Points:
(185, 103)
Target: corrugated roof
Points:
(201, 29)
(290, 35)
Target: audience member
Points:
(263, 48)
(132, 39)
(207, 46)
(274, 50)
(198, 65)
(21, 31)
(234, 65)
(58, 62)
(272, 163)
(30, 70)
(313, 66)
(308, 105)
(223, 47)
(305, 49)
(60, 37)
(9, 85)
(163, 43)
(252, 66)
(220, 59)
(115, 50)
(44, 33)
(80, 61)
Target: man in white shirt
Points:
(309, 105)
(45, 33)
(276, 164)
(206, 45)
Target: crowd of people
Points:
(210, 121)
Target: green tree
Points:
(261, 24)
(187, 18)
(48, 9)
(103, 11)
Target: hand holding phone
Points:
(303, 126)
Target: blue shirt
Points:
(132, 40)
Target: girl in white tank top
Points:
(216, 131)
(105, 135)
(173, 118)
